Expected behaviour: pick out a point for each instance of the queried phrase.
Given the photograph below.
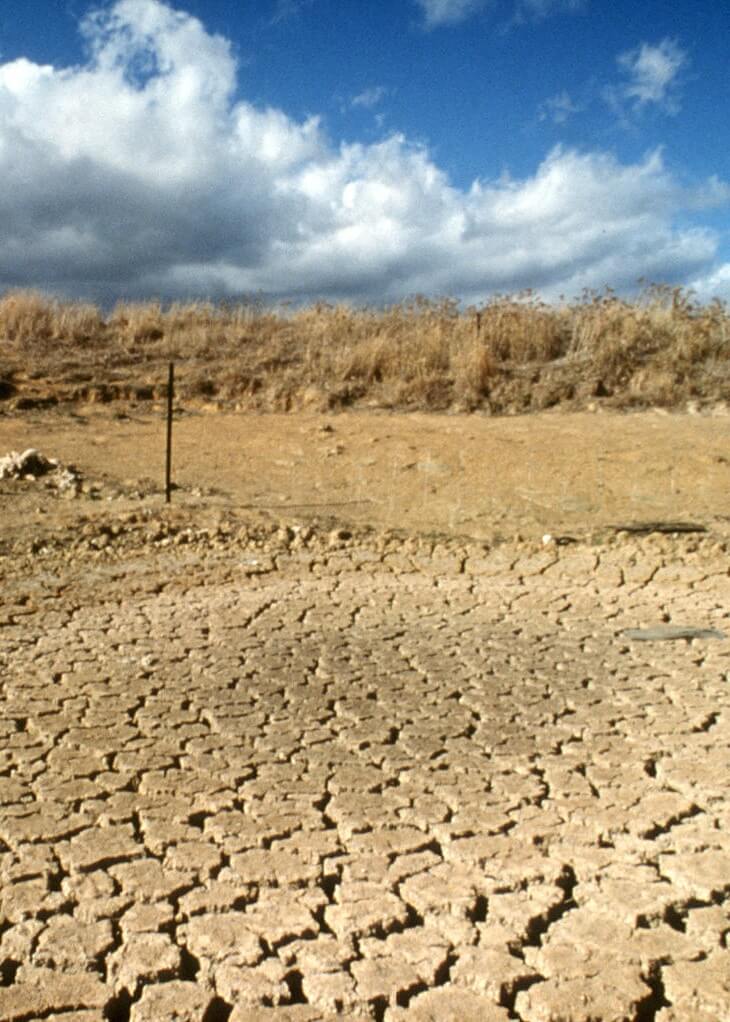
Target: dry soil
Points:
(338, 734)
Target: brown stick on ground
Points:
(168, 459)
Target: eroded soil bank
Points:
(260, 767)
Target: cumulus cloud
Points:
(652, 75)
(715, 284)
(140, 174)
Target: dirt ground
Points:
(471, 475)
(385, 717)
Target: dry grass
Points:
(512, 354)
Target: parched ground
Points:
(381, 753)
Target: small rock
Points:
(28, 465)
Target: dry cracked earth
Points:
(260, 774)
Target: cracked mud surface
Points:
(266, 774)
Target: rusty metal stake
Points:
(168, 462)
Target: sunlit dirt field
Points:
(384, 717)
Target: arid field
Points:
(403, 709)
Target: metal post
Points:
(168, 462)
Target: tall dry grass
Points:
(514, 353)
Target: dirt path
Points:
(259, 772)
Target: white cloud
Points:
(288, 9)
(652, 77)
(537, 10)
(449, 12)
(652, 74)
(139, 174)
(715, 284)
(369, 98)
(558, 108)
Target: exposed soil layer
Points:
(293, 763)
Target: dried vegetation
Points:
(512, 354)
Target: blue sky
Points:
(363, 151)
